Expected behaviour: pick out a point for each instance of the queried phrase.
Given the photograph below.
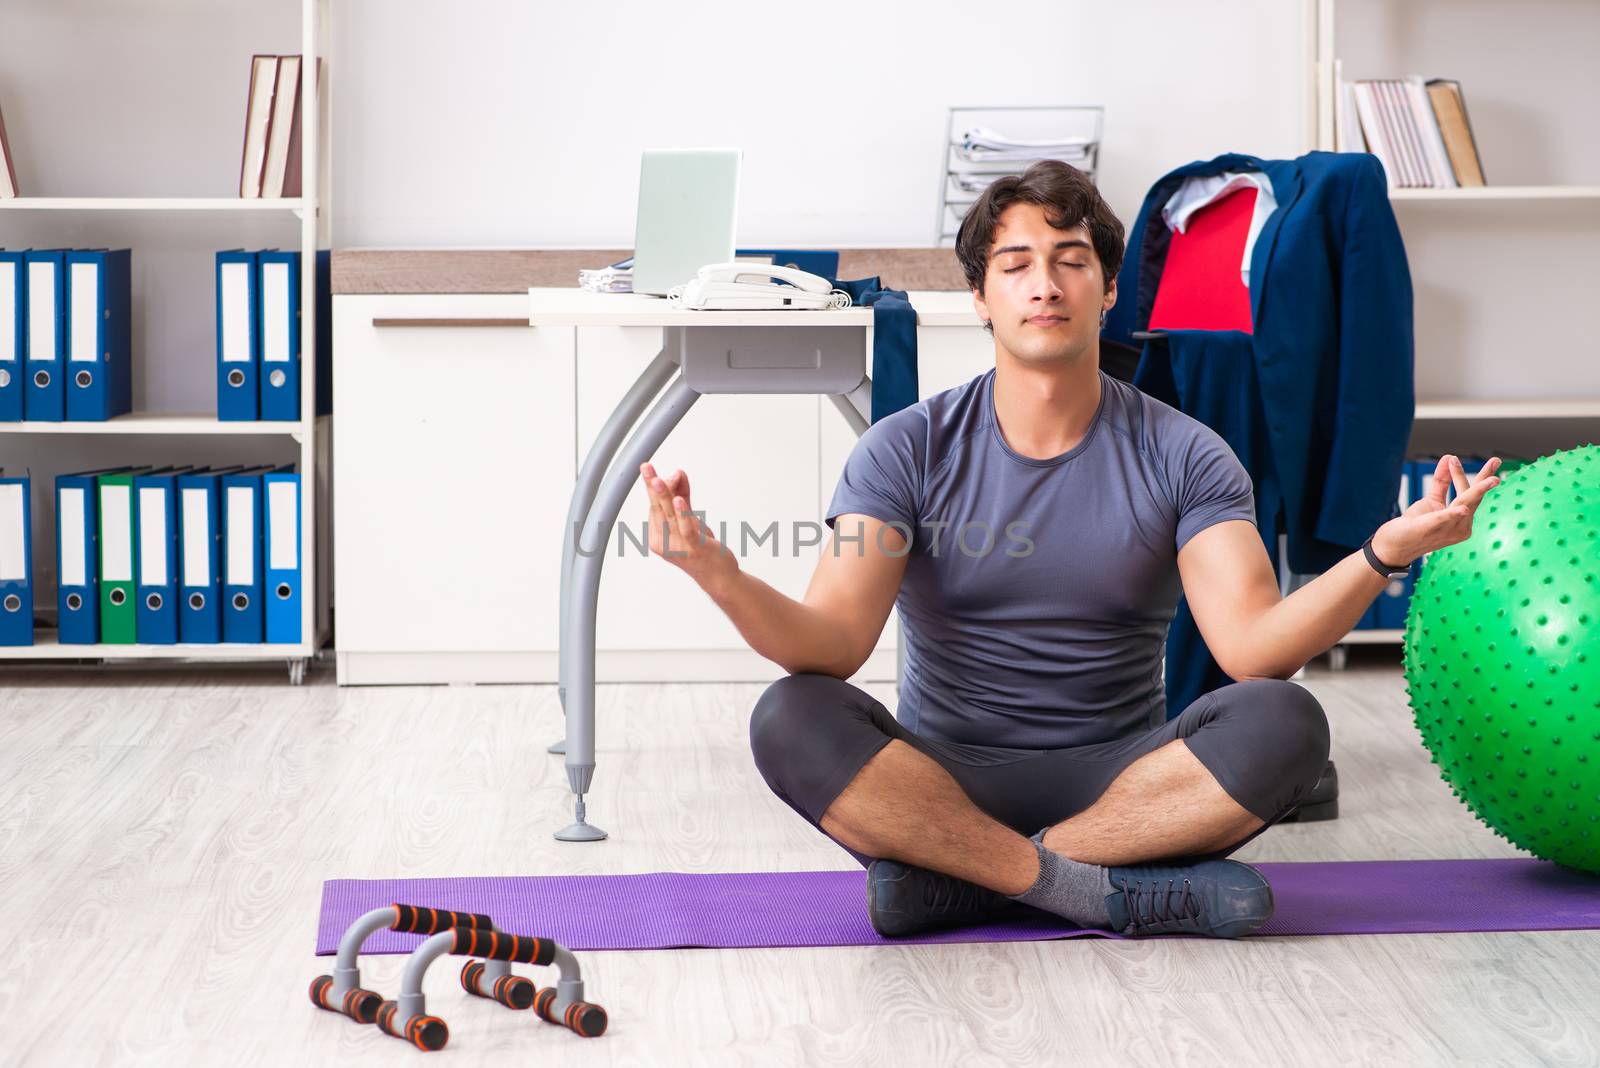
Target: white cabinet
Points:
(453, 462)
(454, 459)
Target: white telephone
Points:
(756, 287)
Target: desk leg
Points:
(595, 464)
(856, 406)
(857, 421)
(580, 632)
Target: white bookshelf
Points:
(1321, 25)
(1498, 193)
(156, 423)
(1539, 408)
(226, 204)
(312, 433)
(47, 647)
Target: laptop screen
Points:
(688, 205)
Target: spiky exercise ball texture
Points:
(1502, 660)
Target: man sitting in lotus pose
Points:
(1036, 527)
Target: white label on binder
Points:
(275, 312)
(196, 538)
(84, 289)
(235, 313)
(8, 312)
(152, 537)
(74, 547)
(13, 555)
(281, 522)
(116, 534)
(41, 311)
(241, 536)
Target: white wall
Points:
(514, 124)
(499, 123)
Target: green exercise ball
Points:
(1502, 659)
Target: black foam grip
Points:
(514, 991)
(586, 1018)
(358, 1004)
(361, 1005)
(416, 919)
(583, 1017)
(425, 1032)
(497, 945)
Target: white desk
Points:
(816, 352)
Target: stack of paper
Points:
(983, 145)
(617, 278)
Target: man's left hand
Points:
(1430, 523)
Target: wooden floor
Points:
(164, 836)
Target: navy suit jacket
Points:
(1331, 352)
(1317, 401)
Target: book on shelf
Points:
(285, 101)
(269, 166)
(1451, 108)
(1418, 130)
(290, 165)
(1433, 150)
(1347, 135)
(257, 123)
(8, 173)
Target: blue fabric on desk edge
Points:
(894, 343)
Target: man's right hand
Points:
(680, 538)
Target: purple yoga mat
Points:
(668, 910)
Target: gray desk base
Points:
(694, 360)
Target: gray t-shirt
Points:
(1053, 637)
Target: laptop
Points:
(688, 204)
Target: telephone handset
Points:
(756, 287)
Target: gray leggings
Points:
(1265, 742)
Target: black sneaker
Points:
(905, 900)
(1322, 803)
(1215, 898)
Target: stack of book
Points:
(270, 163)
(1418, 130)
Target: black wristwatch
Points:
(1378, 565)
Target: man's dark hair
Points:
(1068, 197)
